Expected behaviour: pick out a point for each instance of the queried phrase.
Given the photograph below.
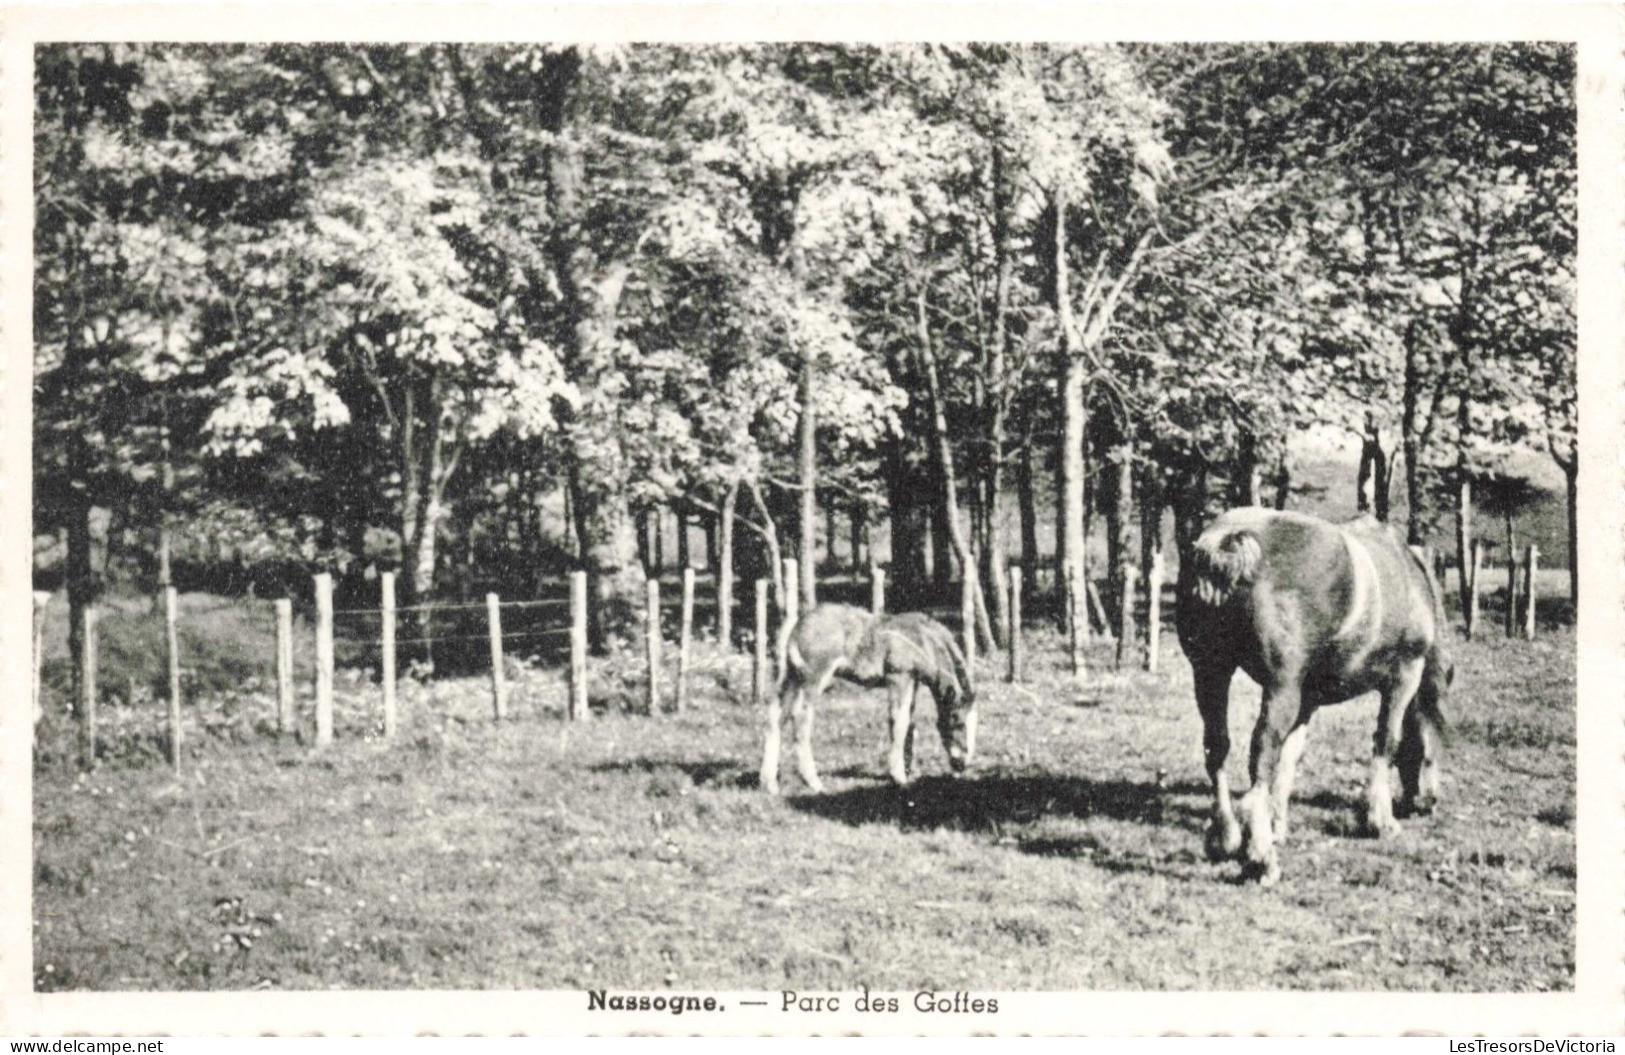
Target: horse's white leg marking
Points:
(1277, 718)
(901, 690)
(1285, 773)
(970, 733)
(1258, 830)
(801, 712)
(1379, 814)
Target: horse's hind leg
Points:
(1418, 758)
(900, 689)
(1285, 772)
(1277, 718)
(1379, 813)
(801, 713)
(1223, 836)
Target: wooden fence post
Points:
(172, 637)
(386, 663)
(1153, 613)
(499, 684)
(324, 659)
(87, 688)
(789, 612)
(725, 604)
(758, 681)
(1475, 564)
(577, 707)
(41, 599)
(877, 589)
(1531, 563)
(790, 603)
(685, 635)
(1014, 676)
(284, 666)
(651, 635)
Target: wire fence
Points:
(468, 637)
(453, 637)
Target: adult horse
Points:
(900, 652)
(1316, 613)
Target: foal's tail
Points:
(1220, 561)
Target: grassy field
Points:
(638, 851)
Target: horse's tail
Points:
(1221, 561)
(1439, 672)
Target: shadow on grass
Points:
(701, 774)
(995, 800)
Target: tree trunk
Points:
(950, 487)
(1027, 502)
(855, 534)
(1571, 477)
(1464, 535)
(1375, 475)
(1245, 483)
(1283, 479)
(166, 577)
(1074, 426)
(82, 586)
(724, 563)
(1151, 505)
(938, 565)
(997, 548)
(807, 478)
(590, 290)
(684, 556)
(1121, 556)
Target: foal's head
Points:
(956, 723)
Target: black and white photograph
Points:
(810, 529)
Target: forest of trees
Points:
(354, 307)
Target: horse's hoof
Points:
(770, 786)
(1419, 807)
(815, 786)
(1380, 828)
(1221, 843)
(1264, 873)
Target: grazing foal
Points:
(898, 651)
(1315, 613)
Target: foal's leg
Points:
(1223, 836)
(900, 691)
(770, 751)
(801, 713)
(1277, 717)
(1396, 701)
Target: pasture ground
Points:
(630, 851)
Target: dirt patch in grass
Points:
(637, 851)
